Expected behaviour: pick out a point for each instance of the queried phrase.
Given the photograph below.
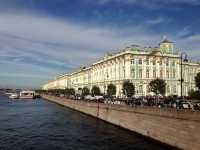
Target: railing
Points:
(184, 114)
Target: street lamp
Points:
(105, 82)
(183, 58)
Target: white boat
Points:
(8, 93)
(14, 96)
(27, 94)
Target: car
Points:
(89, 97)
(117, 102)
(61, 95)
(99, 97)
(71, 97)
(186, 105)
(78, 97)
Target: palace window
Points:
(148, 89)
(173, 73)
(154, 73)
(167, 74)
(147, 73)
(173, 63)
(140, 61)
(160, 62)
(168, 89)
(133, 73)
(174, 89)
(140, 73)
(140, 89)
(154, 61)
(161, 73)
(147, 61)
(133, 61)
(167, 62)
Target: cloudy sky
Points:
(40, 39)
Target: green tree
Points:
(85, 91)
(95, 91)
(194, 94)
(62, 91)
(111, 90)
(71, 91)
(67, 92)
(128, 88)
(158, 86)
(197, 81)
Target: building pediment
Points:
(156, 53)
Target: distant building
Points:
(139, 65)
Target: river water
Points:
(42, 125)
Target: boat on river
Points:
(13, 96)
(27, 94)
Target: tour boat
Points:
(14, 96)
(27, 95)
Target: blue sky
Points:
(40, 39)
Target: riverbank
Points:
(178, 128)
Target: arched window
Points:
(161, 73)
(167, 74)
(147, 73)
(140, 73)
(133, 61)
(147, 61)
(133, 72)
(154, 73)
(140, 61)
(154, 61)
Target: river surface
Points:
(42, 125)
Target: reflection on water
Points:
(41, 125)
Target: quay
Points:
(177, 128)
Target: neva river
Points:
(41, 125)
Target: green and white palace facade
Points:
(138, 65)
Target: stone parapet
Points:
(178, 128)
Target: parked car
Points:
(117, 102)
(89, 97)
(187, 105)
(61, 95)
(71, 97)
(99, 97)
(77, 97)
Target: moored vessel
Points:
(13, 96)
(27, 95)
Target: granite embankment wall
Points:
(177, 128)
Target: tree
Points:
(95, 91)
(67, 92)
(71, 91)
(62, 91)
(194, 94)
(158, 86)
(128, 89)
(85, 91)
(80, 91)
(111, 90)
(197, 81)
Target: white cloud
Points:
(184, 32)
(158, 20)
(194, 38)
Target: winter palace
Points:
(137, 64)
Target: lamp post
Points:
(105, 82)
(183, 58)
